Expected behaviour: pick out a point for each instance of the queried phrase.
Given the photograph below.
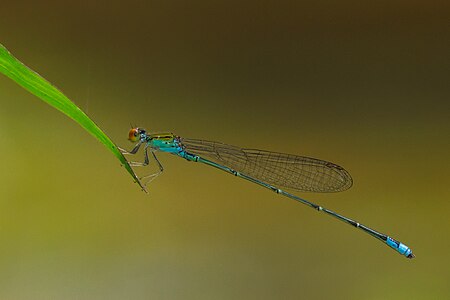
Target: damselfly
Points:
(268, 169)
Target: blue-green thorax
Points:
(165, 142)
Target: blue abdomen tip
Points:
(401, 248)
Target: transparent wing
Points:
(278, 169)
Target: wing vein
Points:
(288, 171)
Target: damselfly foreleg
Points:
(133, 151)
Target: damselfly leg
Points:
(146, 179)
(133, 151)
(149, 178)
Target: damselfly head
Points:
(135, 134)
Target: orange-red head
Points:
(135, 134)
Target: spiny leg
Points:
(141, 164)
(151, 177)
(133, 151)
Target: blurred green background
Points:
(362, 84)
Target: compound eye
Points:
(133, 135)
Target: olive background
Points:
(362, 84)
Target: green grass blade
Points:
(37, 85)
